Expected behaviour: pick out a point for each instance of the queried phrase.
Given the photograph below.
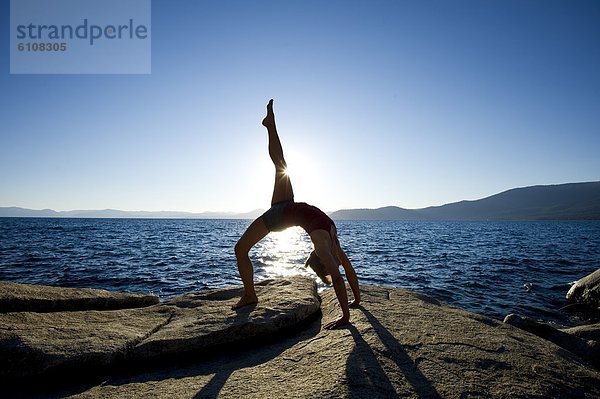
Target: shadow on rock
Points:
(222, 364)
(366, 371)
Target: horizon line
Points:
(255, 210)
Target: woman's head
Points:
(315, 264)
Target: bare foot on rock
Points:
(245, 300)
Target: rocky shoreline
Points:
(59, 342)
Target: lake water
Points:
(492, 268)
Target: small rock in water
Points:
(528, 286)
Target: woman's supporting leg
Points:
(282, 191)
(255, 232)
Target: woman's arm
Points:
(351, 276)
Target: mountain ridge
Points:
(569, 201)
(14, 211)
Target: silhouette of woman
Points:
(284, 212)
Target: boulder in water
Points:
(587, 332)
(586, 290)
(588, 350)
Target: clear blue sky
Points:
(378, 103)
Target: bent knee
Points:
(240, 249)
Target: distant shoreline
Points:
(337, 220)
(571, 201)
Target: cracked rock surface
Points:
(64, 344)
(400, 344)
(32, 344)
(204, 320)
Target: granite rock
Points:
(15, 297)
(65, 345)
(588, 350)
(400, 344)
(202, 321)
(586, 290)
(587, 332)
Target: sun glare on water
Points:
(282, 254)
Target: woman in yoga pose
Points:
(284, 212)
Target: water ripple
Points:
(488, 267)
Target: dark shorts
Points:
(273, 218)
(321, 222)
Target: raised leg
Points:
(255, 232)
(282, 190)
